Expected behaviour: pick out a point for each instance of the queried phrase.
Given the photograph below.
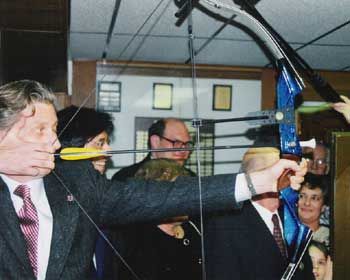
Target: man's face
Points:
(174, 131)
(310, 205)
(100, 142)
(317, 163)
(39, 127)
(42, 126)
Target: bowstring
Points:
(100, 232)
(196, 124)
(93, 90)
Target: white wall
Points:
(137, 98)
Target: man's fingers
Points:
(37, 171)
(45, 149)
(290, 164)
(346, 99)
(44, 164)
(295, 182)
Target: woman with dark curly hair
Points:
(85, 127)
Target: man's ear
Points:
(154, 140)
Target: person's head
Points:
(318, 159)
(86, 127)
(260, 158)
(37, 103)
(170, 133)
(313, 196)
(318, 253)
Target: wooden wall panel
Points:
(34, 41)
(268, 88)
(84, 83)
(340, 81)
(341, 206)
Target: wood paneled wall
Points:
(84, 83)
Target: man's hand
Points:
(18, 157)
(343, 108)
(266, 179)
(329, 269)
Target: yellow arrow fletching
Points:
(73, 153)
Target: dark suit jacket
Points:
(239, 246)
(106, 202)
(154, 255)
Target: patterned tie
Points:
(29, 222)
(277, 234)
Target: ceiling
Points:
(145, 30)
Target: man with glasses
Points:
(164, 134)
(317, 159)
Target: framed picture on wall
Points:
(162, 96)
(222, 97)
(109, 96)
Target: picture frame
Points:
(222, 97)
(108, 97)
(162, 96)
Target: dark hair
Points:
(157, 128)
(86, 124)
(313, 181)
(321, 246)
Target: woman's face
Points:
(310, 205)
(100, 142)
(319, 262)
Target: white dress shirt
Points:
(39, 199)
(242, 191)
(266, 215)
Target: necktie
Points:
(277, 234)
(29, 222)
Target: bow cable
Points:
(93, 90)
(196, 123)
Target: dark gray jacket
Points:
(106, 202)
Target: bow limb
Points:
(289, 85)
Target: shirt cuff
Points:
(242, 192)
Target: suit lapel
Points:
(10, 227)
(65, 215)
(269, 243)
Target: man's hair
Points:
(76, 128)
(313, 181)
(157, 128)
(16, 96)
(255, 158)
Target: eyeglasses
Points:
(317, 162)
(178, 143)
(313, 198)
